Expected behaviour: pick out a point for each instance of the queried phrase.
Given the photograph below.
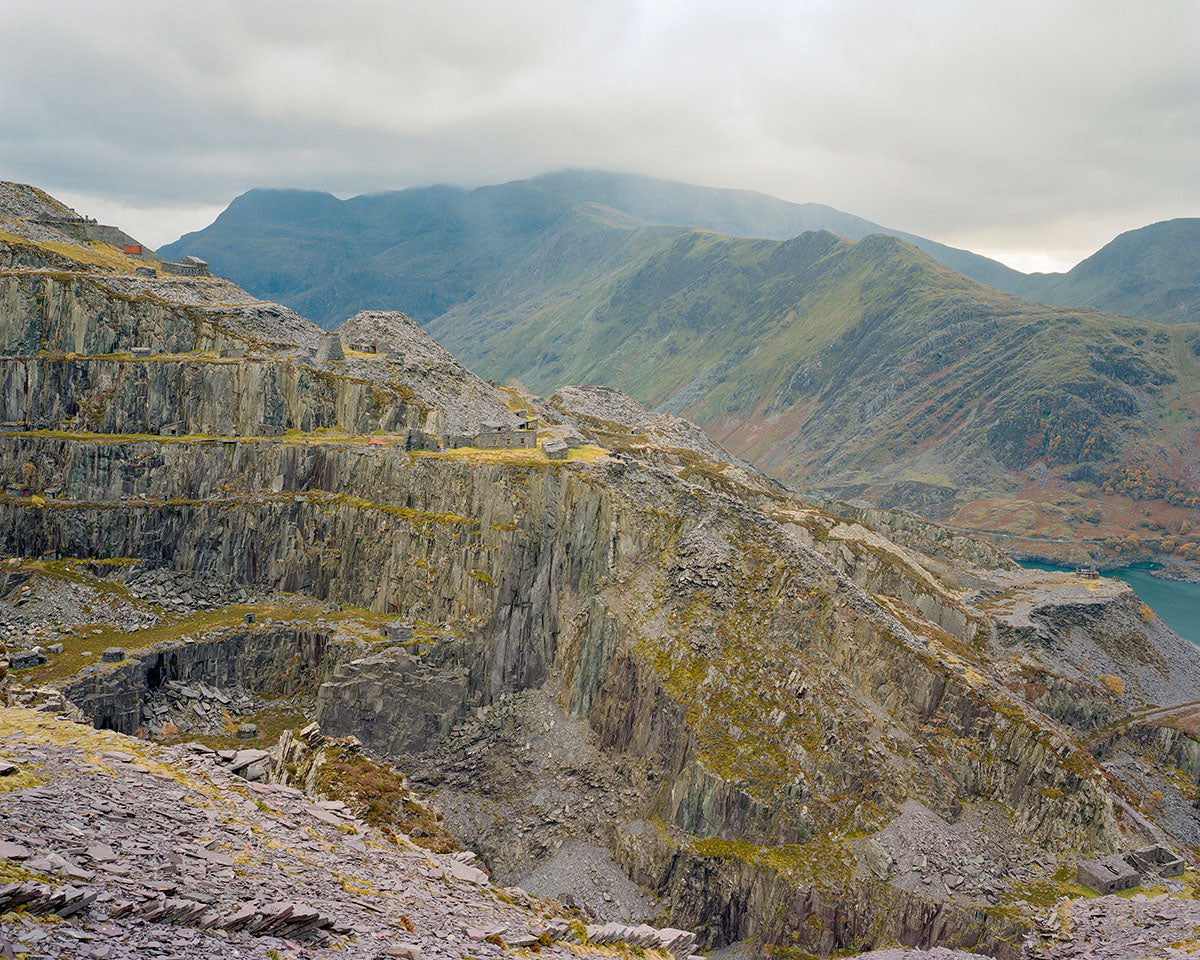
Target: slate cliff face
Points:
(776, 692)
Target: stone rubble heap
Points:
(252, 765)
(560, 829)
(183, 592)
(975, 858)
(1118, 928)
(196, 707)
(40, 610)
(151, 851)
(45, 700)
(40, 899)
(679, 943)
(293, 921)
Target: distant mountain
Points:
(1153, 273)
(834, 357)
(860, 368)
(424, 250)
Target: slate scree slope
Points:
(644, 680)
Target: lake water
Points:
(1176, 601)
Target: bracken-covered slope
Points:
(641, 670)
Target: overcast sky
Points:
(1030, 131)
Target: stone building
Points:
(1108, 874)
(1158, 859)
(555, 449)
(188, 267)
(499, 436)
(415, 439)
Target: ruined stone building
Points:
(499, 436)
(188, 267)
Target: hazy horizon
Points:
(1027, 132)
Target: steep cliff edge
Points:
(820, 728)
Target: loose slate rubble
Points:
(197, 707)
(1118, 928)
(679, 943)
(144, 850)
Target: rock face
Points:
(801, 725)
(425, 369)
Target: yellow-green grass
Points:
(82, 646)
(587, 453)
(82, 251)
(271, 722)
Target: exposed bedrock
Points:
(278, 661)
(725, 899)
(780, 701)
(244, 397)
(90, 315)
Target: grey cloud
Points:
(1013, 126)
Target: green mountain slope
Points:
(839, 363)
(1153, 273)
(860, 368)
(425, 250)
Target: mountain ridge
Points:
(528, 281)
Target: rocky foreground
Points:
(115, 847)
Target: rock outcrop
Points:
(773, 716)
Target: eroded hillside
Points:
(643, 678)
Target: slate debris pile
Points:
(45, 700)
(253, 765)
(1140, 927)
(42, 610)
(546, 803)
(152, 851)
(679, 943)
(41, 899)
(183, 592)
(196, 707)
(974, 858)
(293, 921)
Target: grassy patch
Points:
(82, 647)
(271, 722)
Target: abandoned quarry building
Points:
(415, 439)
(555, 449)
(498, 436)
(1121, 872)
(187, 267)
